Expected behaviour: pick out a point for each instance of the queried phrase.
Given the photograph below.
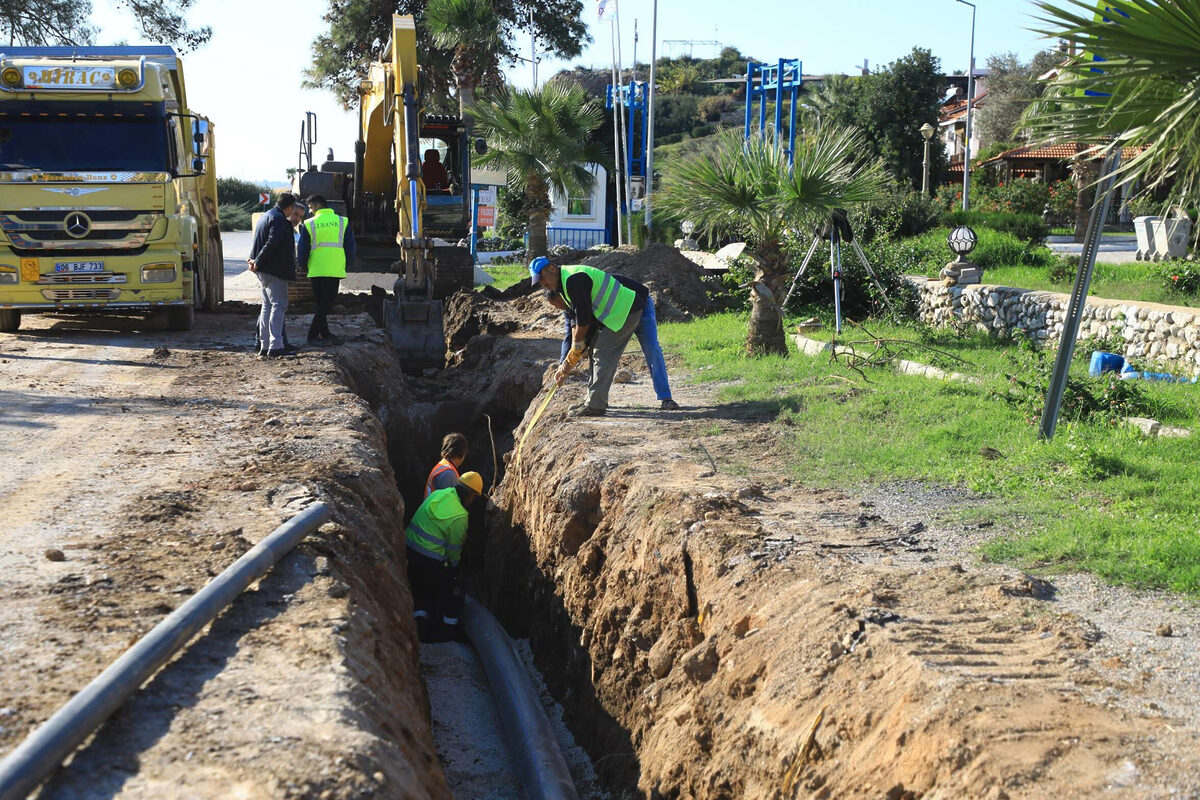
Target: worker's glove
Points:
(573, 356)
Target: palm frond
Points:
(1137, 84)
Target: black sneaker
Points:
(669, 405)
(280, 353)
(585, 411)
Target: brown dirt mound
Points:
(676, 283)
(468, 314)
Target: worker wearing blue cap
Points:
(601, 306)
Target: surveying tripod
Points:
(835, 229)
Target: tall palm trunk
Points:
(464, 82)
(537, 206)
(765, 334)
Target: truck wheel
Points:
(181, 318)
(10, 320)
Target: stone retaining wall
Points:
(1165, 335)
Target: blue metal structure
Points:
(632, 99)
(782, 81)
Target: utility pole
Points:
(650, 116)
(966, 198)
(533, 59)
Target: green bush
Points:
(928, 253)
(1027, 227)
(235, 217)
(236, 191)
(900, 213)
(1180, 277)
(890, 259)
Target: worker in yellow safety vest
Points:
(434, 544)
(606, 314)
(445, 472)
(326, 248)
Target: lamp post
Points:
(926, 134)
(961, 272)
(966, 203)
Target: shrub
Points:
(860, 297)
(900, 213)
(1181, 277)
(1027, 227)
(928, 253)
(235, 191)
(1107, 398)
(234, 217)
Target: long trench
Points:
(486, 403)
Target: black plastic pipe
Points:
(45, 749)
(531, 740)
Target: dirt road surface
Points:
(138, 465)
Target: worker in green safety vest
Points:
(326, 248)
(434, 544)
(606, 314)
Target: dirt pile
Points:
(676, 283)
(467, 314)
(741, 640)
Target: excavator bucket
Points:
(416, 329)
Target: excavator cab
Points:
(407, 195)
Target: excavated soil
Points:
(715, 632)
(675, 281)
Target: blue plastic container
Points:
(1105, 362)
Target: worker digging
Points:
(607, 314)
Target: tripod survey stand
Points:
(835, 229)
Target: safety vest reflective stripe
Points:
(610, 301)
(414, 528)
(312, 233)
(438, 470)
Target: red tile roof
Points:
(1055, 152)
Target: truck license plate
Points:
(79, 266)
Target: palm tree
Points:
(472, 29)
(542, 138)
(746, 187)
(1144, 93)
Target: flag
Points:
(605, 9)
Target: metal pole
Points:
(533, 49)
(650, 114)
(616, 94)
(1083, 279)
(925, 170)
(474, 222)
(43, 750)
(624, 127)
(966, 199)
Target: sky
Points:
(248, 78)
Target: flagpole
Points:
(624, 129)
(650, 115)
(617, 183)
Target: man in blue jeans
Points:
(646, 333)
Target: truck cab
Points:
(107, 185)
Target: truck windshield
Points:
(71, 138)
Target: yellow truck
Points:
(108, 194)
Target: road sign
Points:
(487, 197)
(488, 177)
(486, 217)
(264, 198)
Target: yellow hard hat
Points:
(473, 481)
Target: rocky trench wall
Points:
(1169, 336)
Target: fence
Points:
(576, 238)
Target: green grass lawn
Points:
(506, 274)
(1133, 281)
(1098, 497)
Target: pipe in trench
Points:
(46, 748)
(540, 765)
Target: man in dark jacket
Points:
(273, 262)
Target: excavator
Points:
(400, 225)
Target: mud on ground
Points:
(140, 464)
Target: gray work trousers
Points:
(274, 307)
(606, 358)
